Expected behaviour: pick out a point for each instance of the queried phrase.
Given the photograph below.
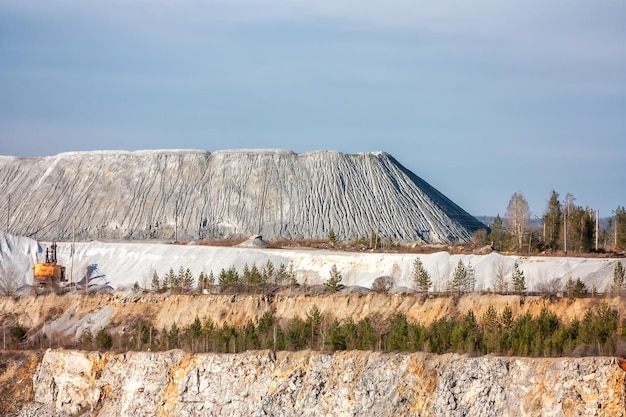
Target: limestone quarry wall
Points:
(264, 383)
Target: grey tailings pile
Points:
(193, 195)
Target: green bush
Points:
(18, 333)
(575, 289)
(334, 279)
(104, 341)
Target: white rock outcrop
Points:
(264, 383)
(192, 195)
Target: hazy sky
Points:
(479, 98)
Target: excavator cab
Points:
(49, 273)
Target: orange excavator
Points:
(49, 274)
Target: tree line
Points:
(462, 280)
(495, 332)
(597, 333)
(565, 227)
(251, 279)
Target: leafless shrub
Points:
(499, 282)
(479, 237)
(11, 281)
(586, 350)
(552, 286)
(442, 278)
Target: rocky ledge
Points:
(354, 383)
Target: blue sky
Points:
(481, 99)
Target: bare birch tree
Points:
(517, 218)
(500, 282)
(11, 281)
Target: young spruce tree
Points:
(156, 284)
(420, 276)
(519, 282)
(459, 278)
(334, 279)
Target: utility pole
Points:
(597, 227)
(565, 225)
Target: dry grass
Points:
(356, 246)
(408, 248)
(279, 243)
(215, 242)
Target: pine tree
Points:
(222, 279)
(169, 281)
(314, 322)
(180, 279)
(334, 279)
(267, 275)
(234, 277)
(104, 340)
(202, 282)
(497, 236)
(420, 276)
(491, 322)
(264, 278)
(459, 278)
(281, 275)
(575, 289)
(173, 337)
(492, 327)
(552, 222)
(620, 227)
(519, 282)
(156, 284)
(507, 316)
(580, 229)
(291, 276)
(255, 277)
(246, 276)
(229, 279)
(187, 281)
